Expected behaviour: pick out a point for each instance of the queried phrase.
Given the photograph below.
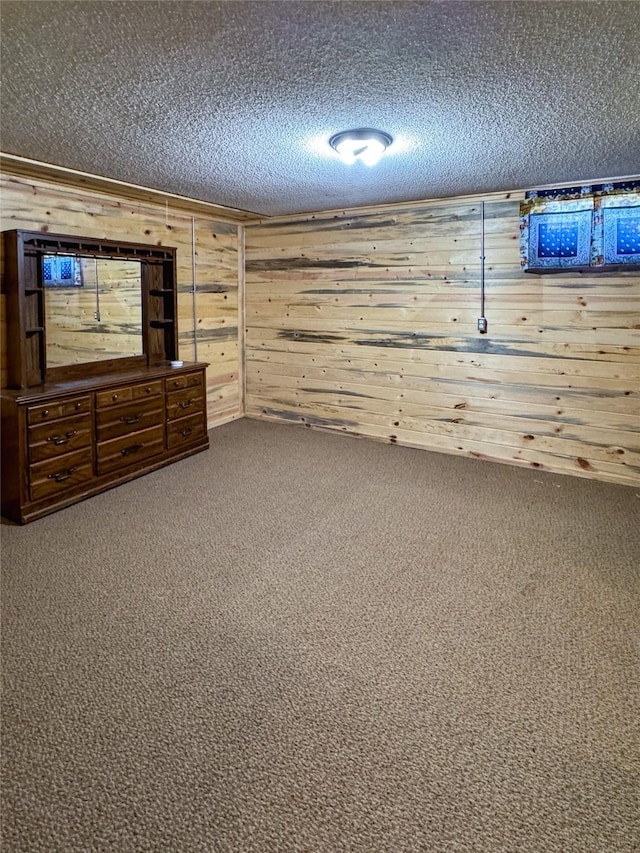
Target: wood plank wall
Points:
(365, 323)
(37, 204)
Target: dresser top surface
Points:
(49, 390)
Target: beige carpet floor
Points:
(304, 642)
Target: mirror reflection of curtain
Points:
(61, 271)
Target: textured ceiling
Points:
(233, 102)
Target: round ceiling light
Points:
(364, 144)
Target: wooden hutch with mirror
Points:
(96, 395)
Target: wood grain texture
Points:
(12, 164)
(38, 204)
(365, 322)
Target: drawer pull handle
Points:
(148, 390)
(59, 476)
(176, 383)
(130, 419)
(61, 439)
(45, 413)
(78, 406)
(186, 404)
(114, 396)
(133, 448)
(186, 431)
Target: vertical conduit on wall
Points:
(482, 320)
(242, 314)
(193, 287)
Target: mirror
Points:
(93, 309)
(82, 306)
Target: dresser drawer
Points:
(185, 431)
(60, 474)
(132, 417)
(114, 397)
(57, 409)
(186, 380)
(129, 449)
(182, 403)
(49, 440)
(127, 393)
(146, 390)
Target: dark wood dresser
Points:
(65, 441)
(92, 399)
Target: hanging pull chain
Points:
(96, 313)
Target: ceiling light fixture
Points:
(364, 144)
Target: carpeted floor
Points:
(304, 642)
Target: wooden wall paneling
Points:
(443, 390)
(335, 420)
(604, 443)
(217, 315)
(36, 203)
(35, 170)
(365, 322)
